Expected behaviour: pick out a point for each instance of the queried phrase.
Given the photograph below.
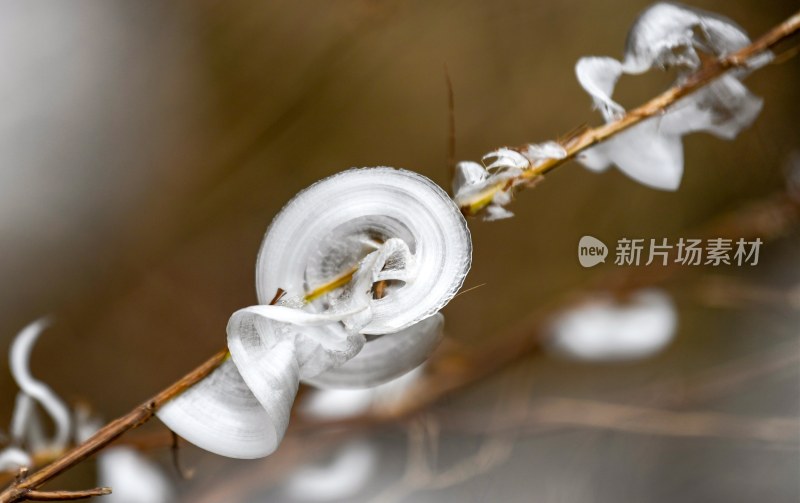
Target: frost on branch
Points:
(501, 167)
(366, 259)
(604, 329)
(668, 36)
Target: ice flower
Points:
(604, 329)
(27, 435)
(669, 37)
(365, 260)
(474, 184)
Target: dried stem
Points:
(656, 106)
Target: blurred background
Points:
(145, 147)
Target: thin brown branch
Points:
(656, 106)
(550, 414)
(21, 490)
(66, 495)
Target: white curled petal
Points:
(467, 175)
(326, 229)
(340, 479)
(220, 414)
(505, 158)
(319, 341)
(386, 357)
(538, 152)
(606, 330)
(494, 212)
(668, 35)
(661, 36)
(391, 261)
(671, 36)
(295, 316)
(644, 153)
(272, 375)
(717, 34)
(13, 458)
(723, 108)
(19, 357)
(321, 349)
(22, 418)
(132, 477)
(598, 76)
(595, 159)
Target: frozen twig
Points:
(476, 202)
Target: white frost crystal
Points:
(669, 36)
(328, 249)
(502, 166)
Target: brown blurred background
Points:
(145, 146)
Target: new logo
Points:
(591, 251)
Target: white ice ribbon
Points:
(25, 426)
(669, 36)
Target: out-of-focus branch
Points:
(568, 412)
(656, 106)
(66, 495)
